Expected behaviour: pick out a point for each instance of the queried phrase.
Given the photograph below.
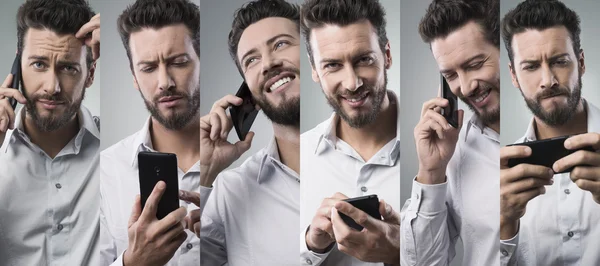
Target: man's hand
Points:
(216, 153)
(436, 141)
(153, 241)
(320, 236)
(586, 173)
(193, 219)
(379, 241)
(7, 114)
(92, 40)
(519, 185)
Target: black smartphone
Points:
(243, 115)
(449, 112)
(368, 204)
(154, 167)
(16, 80)
(545, 152)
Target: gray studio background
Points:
(219, 75)
(420, 82)
(314, 106)
(8, 15)
(515, 116)
(123, 112)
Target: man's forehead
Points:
(332, 37)
(47, 41)
(148, 43)
(532, 42)
(460, 45)
(263, 30)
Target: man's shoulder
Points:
(121, 149)
(246, 172)
(312, 136)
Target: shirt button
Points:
(58, 185)
(567, 191)
(189, 246)
(570, 233)
(308, 261)
(504, 253)
(363, 189)
(59, 227)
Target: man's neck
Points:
(576, 125)
(51, 142)
(288, 145)
(185, 143)
(369, 139)
(495, 127)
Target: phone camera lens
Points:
(157, 169)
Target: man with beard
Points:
(454, 192)
(49, 179)
(548, 218)
(356, 151)
(162, 42)
(250, 213)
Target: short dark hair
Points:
(156, 14)
(60, 16)
(540, 15)
(318, 13)
(251, 13)
(445, 16)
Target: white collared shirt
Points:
(467, 205)
(331, 165)
(119, 184)
(560, 227)
(250, 215)
(49, 206)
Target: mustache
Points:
(168, 93)
(553, 91)
(482, 86)
(277, 71)
(48, 97)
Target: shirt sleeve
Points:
(107, 245)
(213, 249)
(308, 257)
(508, 251)
(428, 235)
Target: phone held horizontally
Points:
(369, 204)
(243, 115)
(545, 152)
(154, 167)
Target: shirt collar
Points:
(272, 154)
(87, 122)
(475, 123)
(141, 142)
(593, 116)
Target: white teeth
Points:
(482, 96)
(353, 100)
(280, 82)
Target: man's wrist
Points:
(431, 177)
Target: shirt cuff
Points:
(204, 195)
(508, 248)
(119, 260)
(429, 198)
(308, 257)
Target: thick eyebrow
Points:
(466, 63)
(170, 58)
(354, 58)
(269, 42)
(60, 62)
(537, 61)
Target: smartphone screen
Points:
(154, 167)
(451, 111)
(243, 116)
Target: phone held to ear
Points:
(451, 111)
(243, 115)
(16, 80)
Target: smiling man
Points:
(162, 41)
(356, 152)
(454, 192)
(549, 218)
(49, 178)
(250, 213)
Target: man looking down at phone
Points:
(454, 192)
(161, 38)
(549, 218)
(250, 213)
(356, 152)
(49, 156)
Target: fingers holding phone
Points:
(585, 162)
(193, 218)
(518, 185)
(153, 241)
(7, 113)
(377, 241)
(436, 140)
(320, 236)
(216, 153)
